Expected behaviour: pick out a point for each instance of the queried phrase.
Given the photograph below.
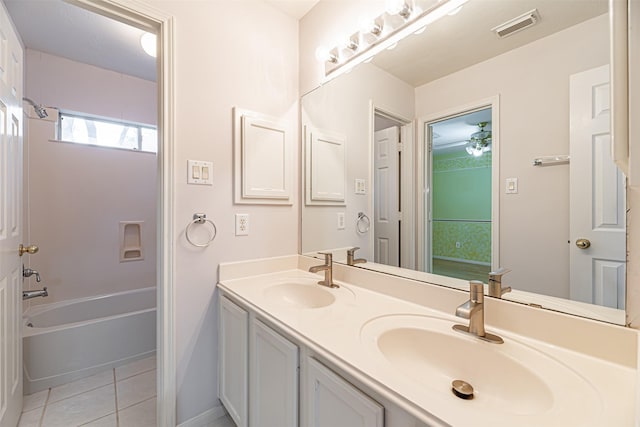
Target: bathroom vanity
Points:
(381, 351)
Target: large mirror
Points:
(460, 152)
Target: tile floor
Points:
(120, 397)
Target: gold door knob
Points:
(583, 243)
(31, 249)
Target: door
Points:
(232, 362)
(597, 218)
(386, 198)
(10, 223)
(273, 378)
(11, 57)
(333, 402)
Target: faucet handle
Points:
(476, 291)
(328, 257)
(352, 251)
(497, 274)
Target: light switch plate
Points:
(360, 186)
(199, 172)
(512, 186)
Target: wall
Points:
(534, 121)
(226, 54)
(77, 195)
(461, 194)
(351, 117)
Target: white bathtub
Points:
(68, 340)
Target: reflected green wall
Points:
(461, 194)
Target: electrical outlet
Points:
(340, 220)
(242, 224)
(458, 245)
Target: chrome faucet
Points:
(495, 283)
(351, 260)
(473, 310)
(28, 272)
(34, 294)
(327, 267)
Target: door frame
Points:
(407, 234)
(153, 20)
(423, 194)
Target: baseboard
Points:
(205, 418)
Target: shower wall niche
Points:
(131, 241)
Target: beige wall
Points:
(350, 116)
(227, 53)
(76, 195)
(533, 85)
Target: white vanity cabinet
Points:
(258, 370)
(260, 379)
(334, 402)
(273, 378)
(233, 366)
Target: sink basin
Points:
(510, 379)
(302, 294)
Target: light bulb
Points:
(394, 7)
(323, 54)
(148, 43)
(369, 26)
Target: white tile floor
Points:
(120, 397)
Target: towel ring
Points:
(363, 224)
(200, 218)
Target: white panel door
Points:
(333, 402)
(11, 57)
(233, 364)
(273, 378)
(597, 200)
(386, 224)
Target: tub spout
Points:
(33, 294)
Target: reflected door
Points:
(597, 199)
(386, 203)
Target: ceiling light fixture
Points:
(378, 34)
(148, 43)
(479, 142)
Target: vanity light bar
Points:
(383, 38)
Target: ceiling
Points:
(459, 41)
(294, 8)
(61, 29)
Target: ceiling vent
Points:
(518, 23)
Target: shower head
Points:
(38, 108)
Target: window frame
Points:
(124, 123)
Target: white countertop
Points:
(335, 331)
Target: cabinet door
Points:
(333, 402)
(232, 368)
(273, 378)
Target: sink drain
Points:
(462, 389)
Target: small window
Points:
(107, 133)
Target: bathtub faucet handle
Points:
(28, 272)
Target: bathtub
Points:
(68, 340)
